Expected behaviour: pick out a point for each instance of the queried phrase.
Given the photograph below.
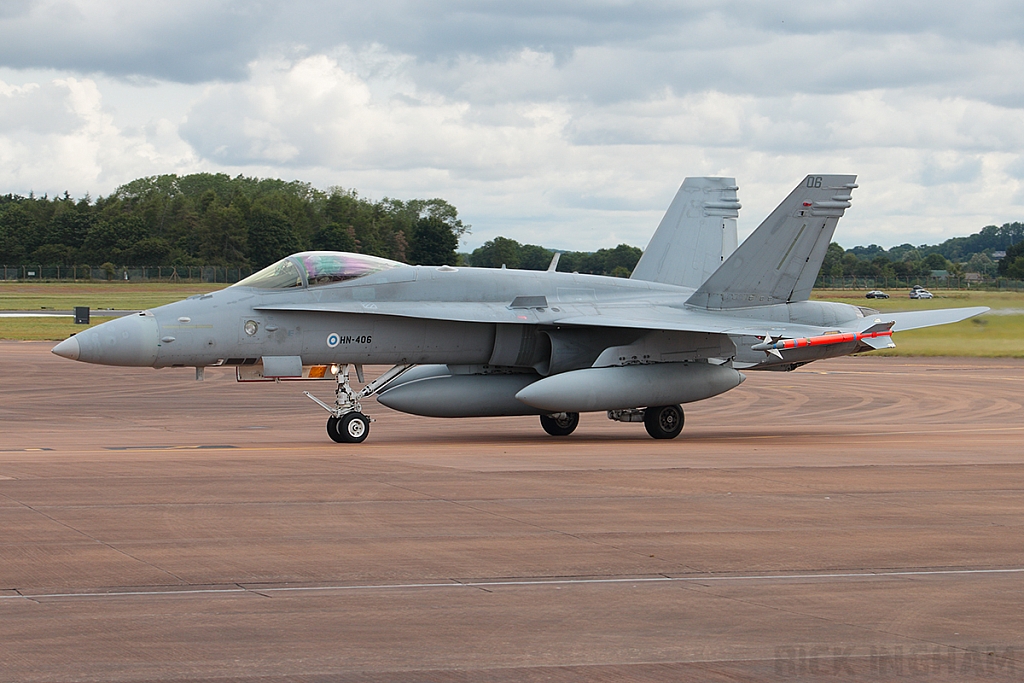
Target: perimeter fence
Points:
(952, 282)
(40, 273)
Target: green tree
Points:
(222, 234)
(981, 263)
(69, 226)
(271, 236)
(533, 257)
(936, 262)
(112, 239)
(1012, 252)
(335, 237)
(501, 251)
(150, 251)
(53, 254)
(434, 242)
(833, 262)
(18, 236)
(623, 256)
(1016, 269)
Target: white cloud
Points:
(563, 123)
(57, 136)
(313, 112)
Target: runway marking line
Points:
(520, 583)
(708, 435)
(166, 448)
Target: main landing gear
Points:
(560, 424)
(347, 424)
(663, 422)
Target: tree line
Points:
(218, 220)
(502, 251)
(957, 255)
(214, 219)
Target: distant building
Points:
(939, 274)
(973, 277)
(996, 255)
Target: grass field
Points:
(999, 333)
(63, 296)
(996, 334)
(900, 299)
(44, 329)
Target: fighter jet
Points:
(472, 342)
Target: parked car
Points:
(876, 294)
(920, 294)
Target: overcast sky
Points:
(565, 123)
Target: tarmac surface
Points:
(858, 519)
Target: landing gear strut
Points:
(560, 424)
(347, 424)
(663, 422)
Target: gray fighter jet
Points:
(471, 342)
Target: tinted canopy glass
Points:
(325, 267)
(280, 275)
(316, 268)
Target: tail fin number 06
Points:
(814, 181)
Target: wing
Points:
(634, 315)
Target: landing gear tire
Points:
(663, 422)
(349, 428)
(560, 424)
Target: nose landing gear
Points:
(350, 428)
(347, 423)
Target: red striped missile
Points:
(878, 336)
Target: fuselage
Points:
(415, 315)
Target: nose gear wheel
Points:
(347, 423)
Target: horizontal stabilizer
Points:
(912, 320)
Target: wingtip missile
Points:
(878, 336)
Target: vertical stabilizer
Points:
(780, 260)
(696, 235)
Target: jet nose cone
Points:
(68, 348)
(128, 341)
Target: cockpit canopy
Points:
(313, 268)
